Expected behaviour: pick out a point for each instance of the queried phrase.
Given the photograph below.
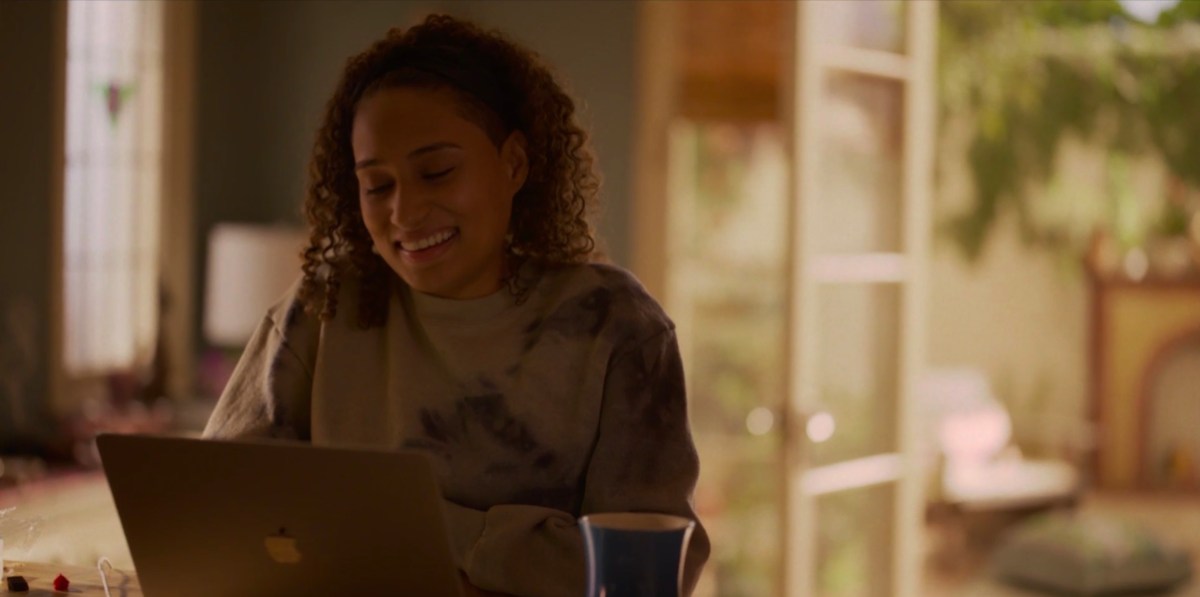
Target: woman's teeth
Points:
(428, 241)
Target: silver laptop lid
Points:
(258, 519)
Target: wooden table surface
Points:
(85, 582)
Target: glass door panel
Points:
(857, 197)
(857, 373)
(853, 550)
(725, 288)
(858, 207)
(788, 253)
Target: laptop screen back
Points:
(209, 518)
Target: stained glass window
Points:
(113, 168)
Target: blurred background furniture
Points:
(984, 483)
(981, 468)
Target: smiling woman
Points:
(483, 87)
(435, 192)
(448, 305)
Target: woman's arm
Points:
(643, 461)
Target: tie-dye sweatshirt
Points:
(536, 412)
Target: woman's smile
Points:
(426, 248)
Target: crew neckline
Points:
(427, 305)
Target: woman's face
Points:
(435, 191)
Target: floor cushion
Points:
(1088, 554)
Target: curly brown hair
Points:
(502, 87)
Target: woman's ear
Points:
(516, 161)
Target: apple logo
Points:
(282, 548)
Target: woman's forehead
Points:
(402, 120)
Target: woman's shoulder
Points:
(298, 309)
(608, 296)
(290, 313)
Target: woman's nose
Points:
(409, 210)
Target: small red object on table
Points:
(61, 583)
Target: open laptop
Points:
(206, 518)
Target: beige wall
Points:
(1021, 313)
(1021, 319)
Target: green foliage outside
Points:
(1029, 74)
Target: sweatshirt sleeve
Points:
(268, 395)
(644, 460)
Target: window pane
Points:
(112, 193)
(853, 544)
(858, 360)
(858, 205)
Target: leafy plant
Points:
(1028, 75)
(1174, 221)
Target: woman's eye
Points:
(438, 174)
(379, 189)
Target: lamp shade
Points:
(972, 425)
(250, 267)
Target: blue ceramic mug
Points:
(634, 554)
